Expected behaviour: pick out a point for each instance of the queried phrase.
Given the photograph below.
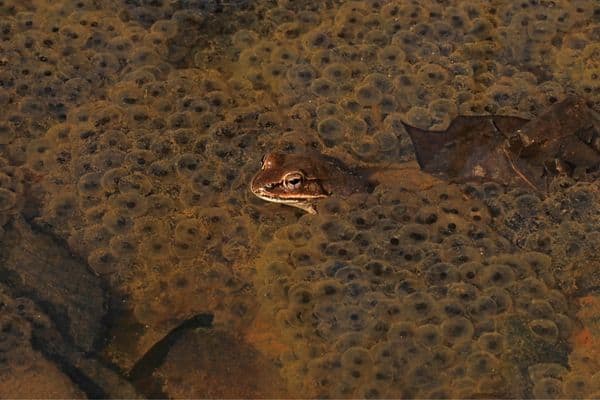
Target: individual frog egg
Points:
(337, 73)
(135, 183)
(187, 164)
(116, 222)
(388, 104)
(300, 295)
(155, 248)
(130, 204)
(428, 335)
(412, 234)
(420, 374)
(150, 226)
(482, 308)
(167, 28)
(7, 133)
(110, 179)
(457, 330)
(367, 95)
(340, 251)
(496, 275)
(326, 110)
(379, 81)
(520, 268)
(531, 288)
(432, 75)
(452, 307)
(160, 205)
(441, 274)
(205, 181)
(162, 171)
(94, 237)
(217, 100)
(107, 159)
(463, 292)
(143, 55)
(365, 147)
(63, 205)
(419, 117)
(140, 159)
(492, 342)
(336, 229)
(420, 306)
(179, 120)
(331, 131)
(301, 75)
(185, 250)
(127, 94)
(187, 230)
(577, 385)
(441, 357)
(370, 390)
(124, 246)
(323, 87)
(481, 364)
(90, 184)
(94, 215)
(321, 58)
(470, 272)
(547, 388)
(391, 56)
(115, 139)
(315, 39)
(304, 257)
(353, 318)
(546, 370)
(190, 198)
(103, 262)
(273, 72)
(401, 332)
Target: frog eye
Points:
(293, 180)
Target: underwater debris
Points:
(562, 140)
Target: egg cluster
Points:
(132, 162)
(136, 129)
(562, 226)
(404, 294)
(12, 191)
(356, 69)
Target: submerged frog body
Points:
(300, 180)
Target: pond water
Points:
(136, 262)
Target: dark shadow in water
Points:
(141, 373)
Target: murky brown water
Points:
(134, 262)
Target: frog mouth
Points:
(286, 199)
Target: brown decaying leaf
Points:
(512, 150)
